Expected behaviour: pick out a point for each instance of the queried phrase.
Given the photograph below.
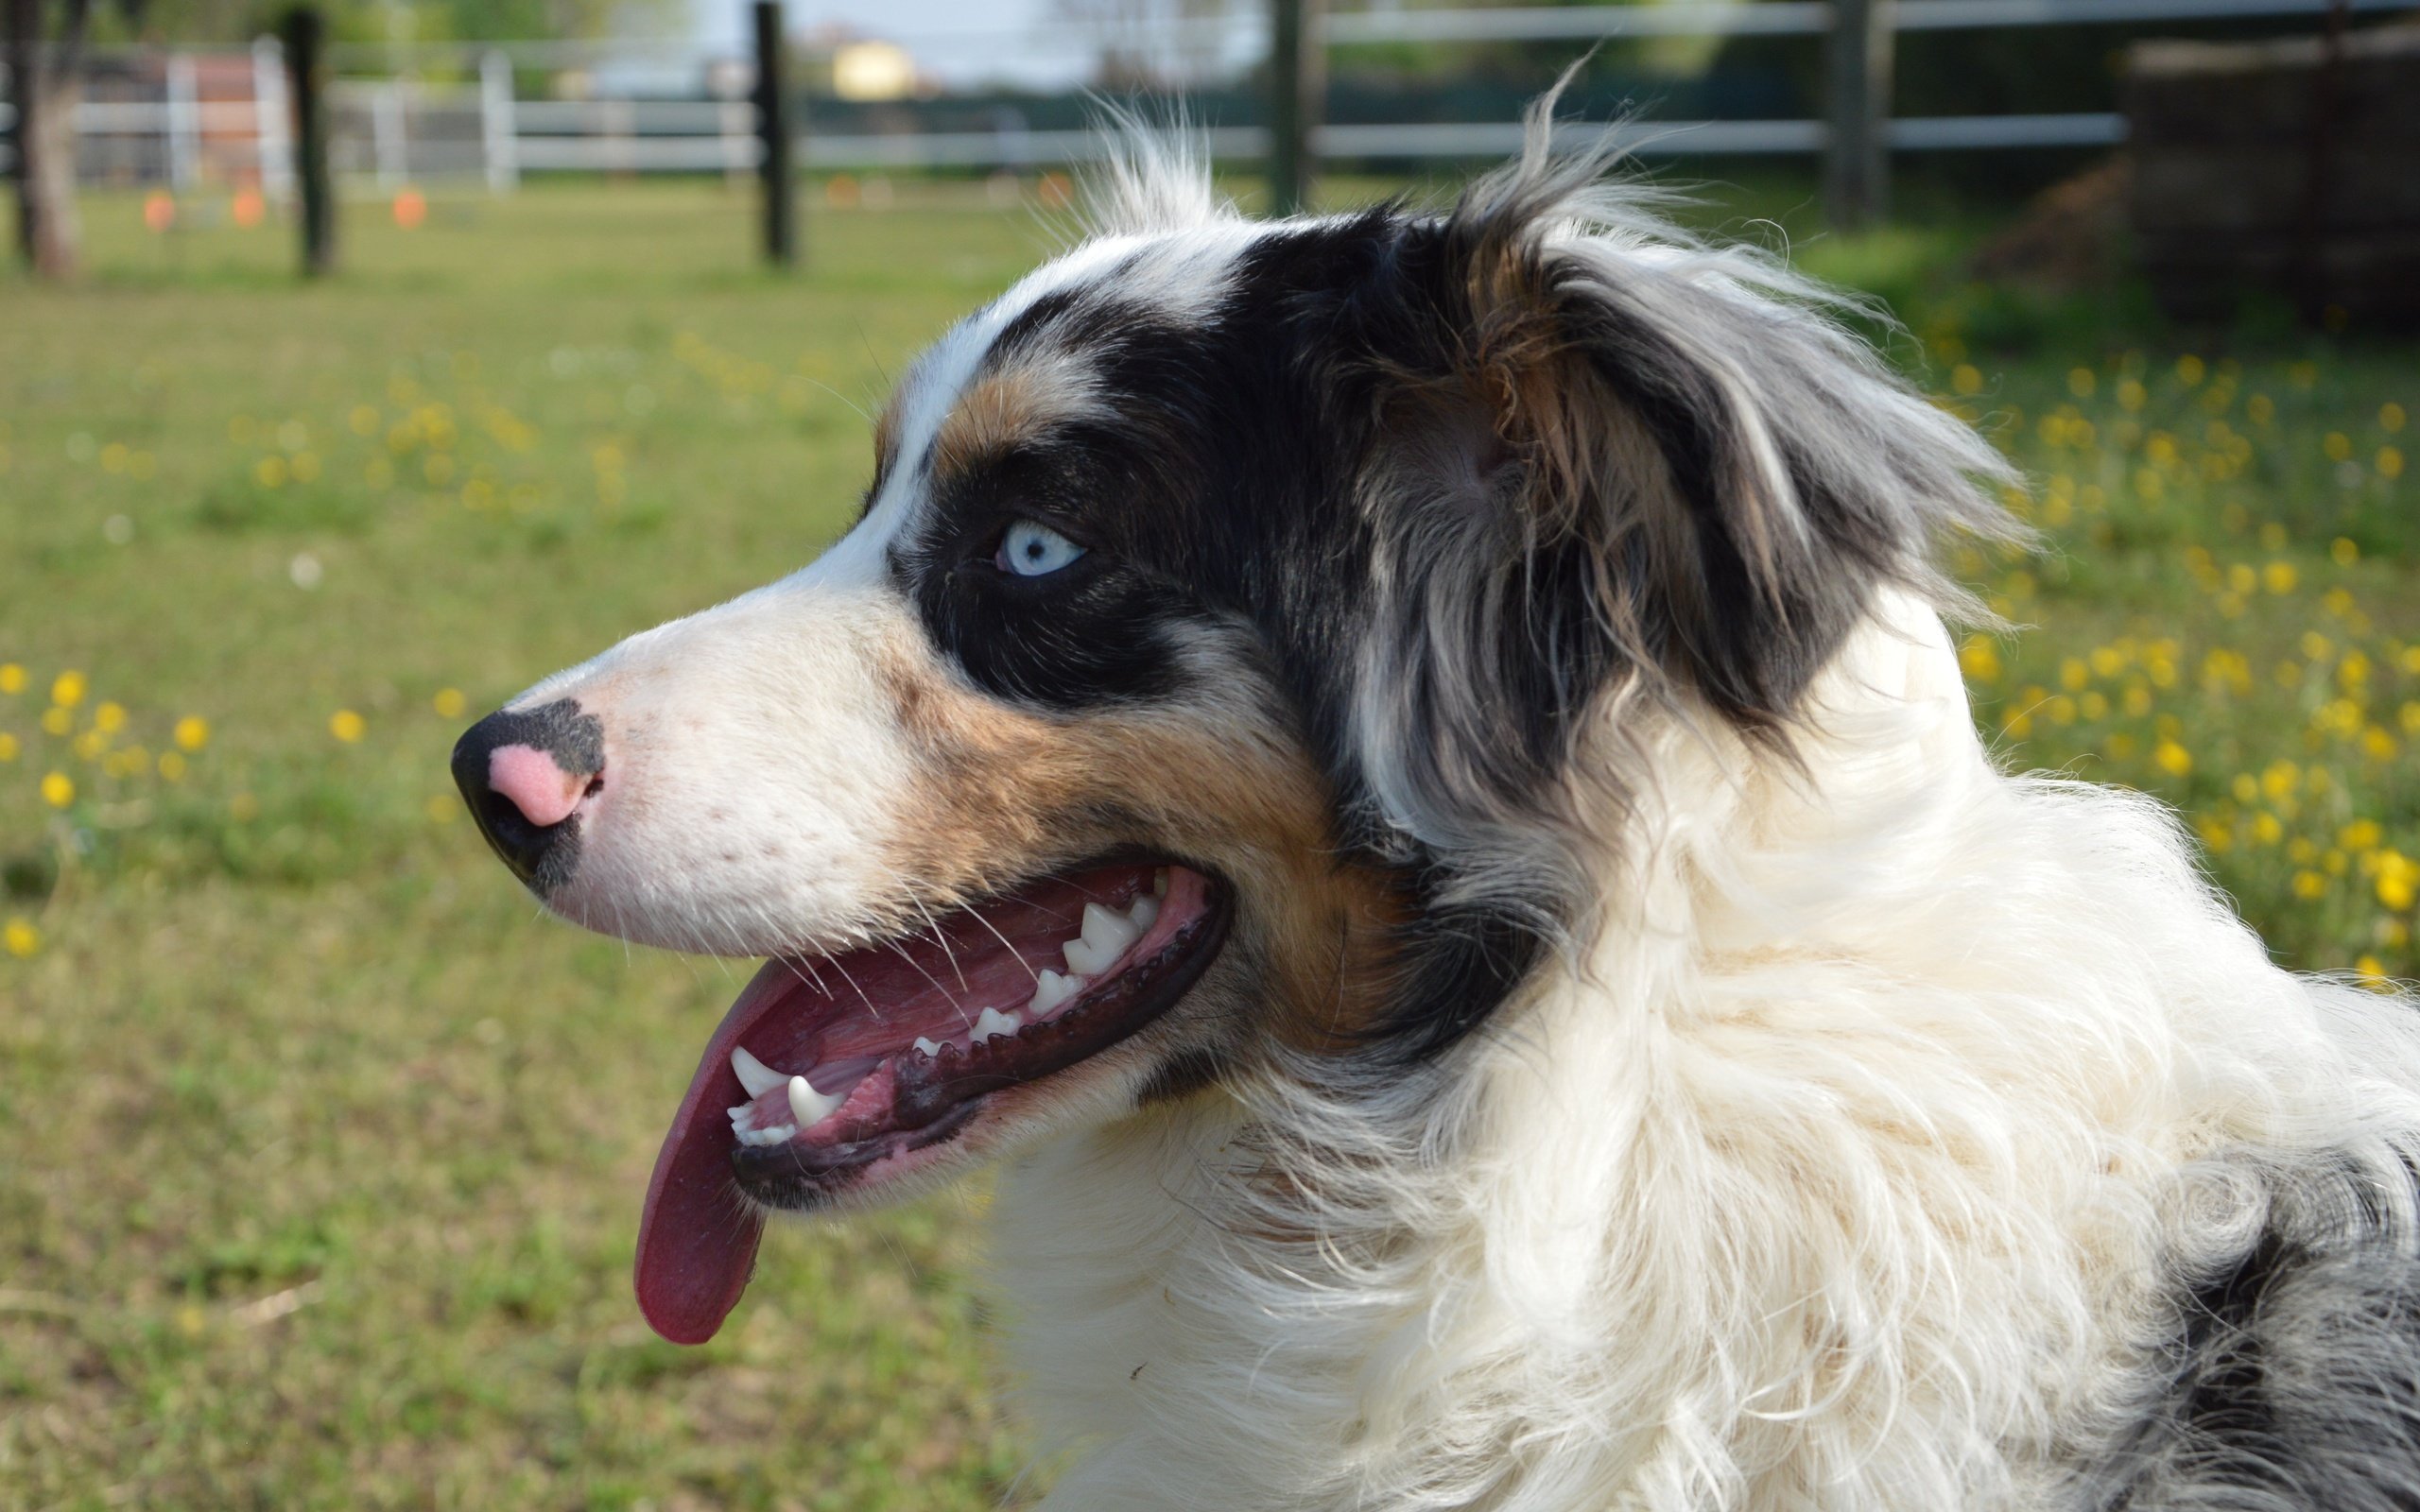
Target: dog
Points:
(1402, 773)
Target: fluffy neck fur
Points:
(1815, 1181)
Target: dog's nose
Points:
(525, 773)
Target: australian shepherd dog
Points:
(1402, 775)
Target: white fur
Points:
(1840, 1172)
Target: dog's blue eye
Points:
(1030, 550)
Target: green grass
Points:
(324, 1152)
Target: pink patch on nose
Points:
(544, 792)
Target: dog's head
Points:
(1221, 668)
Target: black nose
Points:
(525, 773)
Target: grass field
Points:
(321, 1153)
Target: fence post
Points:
(773, 134)
(1297, 93)
(1857, 168)
(499, 141)
(271, 139)
(305, 71)
(183, 123)
(388, 147)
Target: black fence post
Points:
(773, 135)
(307, 72)
(1297, 93)
(1856, 165)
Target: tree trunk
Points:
(49, 233)
(49, 189)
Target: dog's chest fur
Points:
(1820, 1182)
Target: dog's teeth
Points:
(993, 1024)
(1159, 883)
(1104, 939)
(743, 1117)
(767, 1136)
(758, 1078)
(1144, 913)
(808, 1106)
(927, 1047)
(1108, 930)
(1052, 990)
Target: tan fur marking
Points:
(886, 439)
(1008, 794)
(1002, 408)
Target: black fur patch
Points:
(2294, 1380)
(1329, 463)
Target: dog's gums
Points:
(833, 1073)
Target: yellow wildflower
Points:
(2389, 462)
(2172, 758)
(2374, 974)
(2278, 576)
(109, 718)
(172, 767)
(2344, 551)
(7, 746)
(2279, 780)
(192, 732)
(2310, 885)
(2267, 828)
(13, 677)
(2398, 879)
(449, 702)
(67, 689)
(20, 938)
(347, 726)
(2391, 417)
(2361, 835)
(57, 789)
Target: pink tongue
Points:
(697, 1236)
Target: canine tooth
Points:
(758, 1078)
(993, 1024)
(927, 1047)
(808, 1106)
(1144, 913)
(1051, 990)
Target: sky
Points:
(960, 41)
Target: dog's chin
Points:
(854, 1077)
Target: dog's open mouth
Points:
(835, 1072)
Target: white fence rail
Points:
(389, 131)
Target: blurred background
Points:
(360, 363)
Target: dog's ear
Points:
(1616, 463)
